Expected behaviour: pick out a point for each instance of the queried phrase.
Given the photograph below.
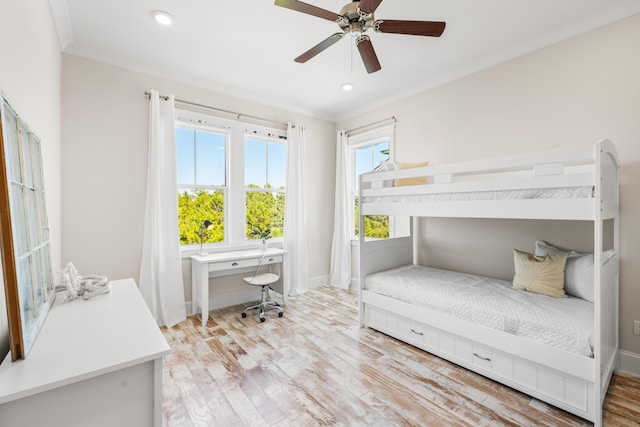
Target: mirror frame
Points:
(29, 293)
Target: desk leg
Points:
(195, 289)
(200, 290)
(282, 277)
(204, 294)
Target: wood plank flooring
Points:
(316, 366)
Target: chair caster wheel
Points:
(262, 319)
(244, 315)
(280, 314)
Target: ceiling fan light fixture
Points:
(162, 17)
(347, 86)
(355, 18)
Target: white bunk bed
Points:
(578, 183)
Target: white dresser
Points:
(94, 363)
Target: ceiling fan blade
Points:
(369, 6)
(308, 9)
(415, 28)
(368, 55)
(319, 47)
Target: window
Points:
(230, 173)
(201, 170)
(367, 151)
(265, 175)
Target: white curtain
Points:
(340, 275)
(161, 267)
(296, 274)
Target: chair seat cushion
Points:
(262, 279)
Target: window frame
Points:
(354, 142)
(234, 204)
(273, 191)
(212, 188)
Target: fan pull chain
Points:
(351, 43)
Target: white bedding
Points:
(522, 194)
(564, 323)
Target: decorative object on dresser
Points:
(569, 184)
(86, 287)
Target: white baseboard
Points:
(629, 362)
(318, 281)
(235, 298)
(246, 296)
(228, 300)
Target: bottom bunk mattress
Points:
(564, 323)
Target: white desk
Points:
(94, 363)
(225, 264)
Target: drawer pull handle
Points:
(235, 264)
(488, 359)
(416, 332)
(270, 259)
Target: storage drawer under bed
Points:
(565, 391)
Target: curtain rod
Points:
(366, 127)
(208, 107)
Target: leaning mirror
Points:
(25, 247)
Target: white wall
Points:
(104, 158)
(575, 92)
(30, 65)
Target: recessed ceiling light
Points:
(347, 86)
(162, 17)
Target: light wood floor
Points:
(316, 366)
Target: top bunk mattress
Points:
(563, 323)
(520, 194)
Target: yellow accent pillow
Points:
(410, 181)
(540, 274)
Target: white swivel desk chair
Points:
(264, 280)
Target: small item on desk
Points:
(265, 235)
(82, 286)
(202, 233)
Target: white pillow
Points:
(387, 166)
(578, 273)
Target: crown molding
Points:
(60, 15)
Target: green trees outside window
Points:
(195, 206)
(376, 226)
(264, 211)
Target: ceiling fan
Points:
(355, 18)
